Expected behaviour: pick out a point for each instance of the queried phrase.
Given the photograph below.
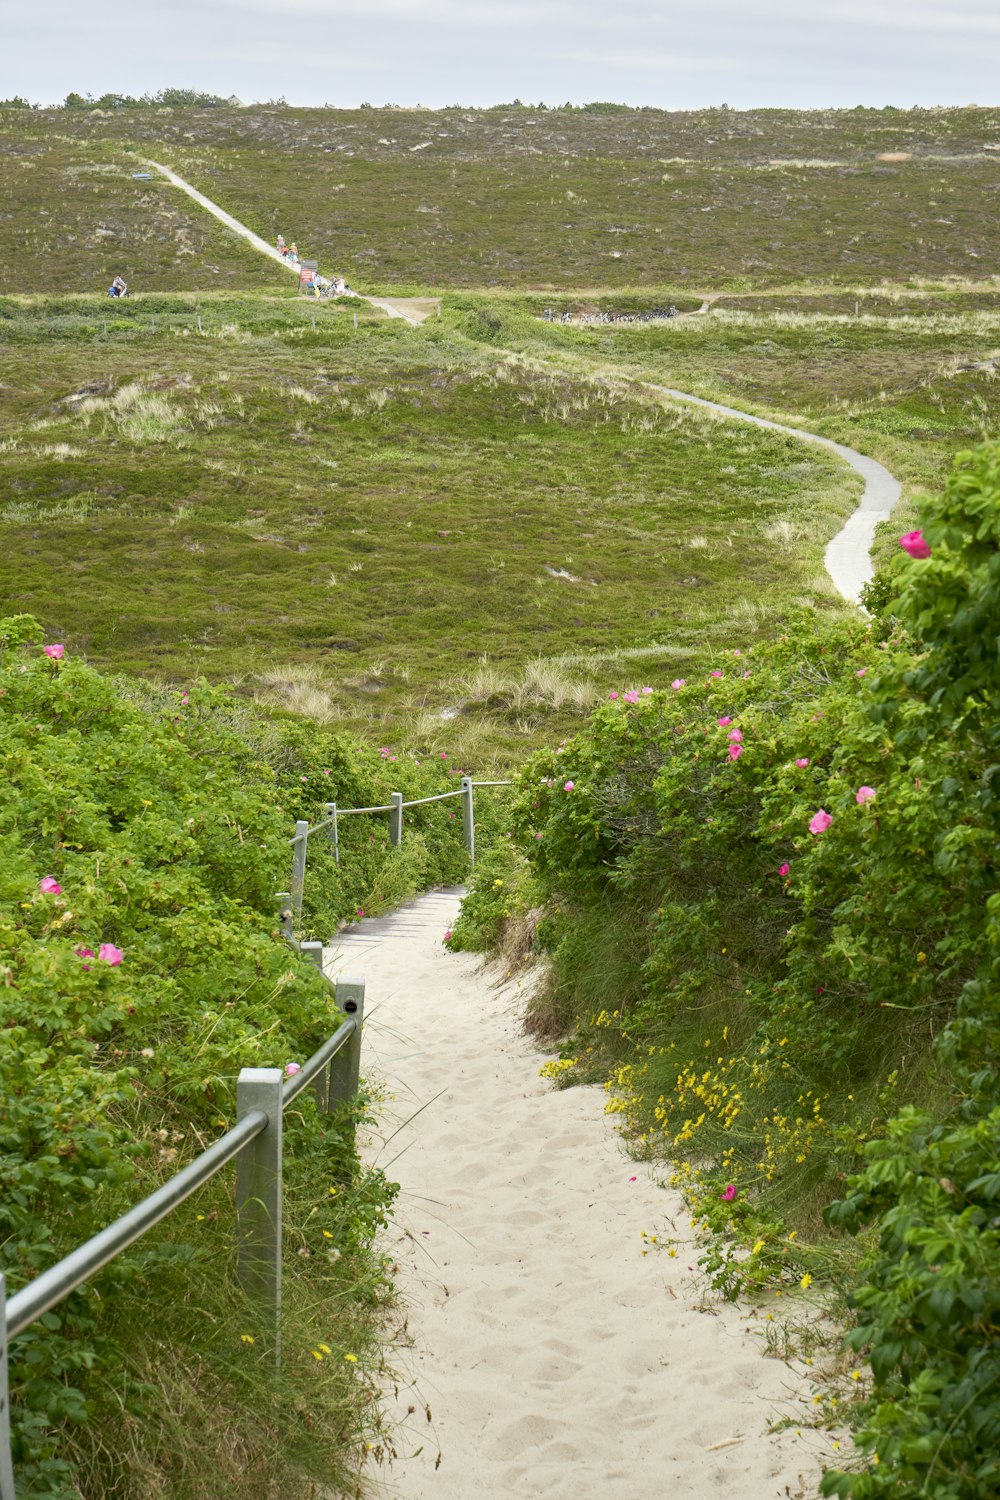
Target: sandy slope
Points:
(556, 1359)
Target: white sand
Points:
(556, 1360)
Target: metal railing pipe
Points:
(439, 797)
(293, 1086)
(80, 1264)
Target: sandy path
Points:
(847, 558)
(558, 1362)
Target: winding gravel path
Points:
(848, 555)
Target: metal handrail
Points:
(293, 1086)
(348, 812)
(299, 841)
(49, 1288)
(262, 1096)
(440, 797)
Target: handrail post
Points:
(314, 952)
(345, 1067)
(284, 899)
(299, 849)
(468, 819)
(6, 1465)
(258, 1194)
(396, 819)
(331, 808)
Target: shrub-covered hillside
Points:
(510, 196)
(770, 901)
(145, 834)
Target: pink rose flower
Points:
(864, 794)
(612, 696)
(49, 887)
(56, 652)
(678, 682)
(736, 734)
(569, 785)
(729, 1194)
(716, 673)
(735, 751)
(915, 544)
(646, 692)
(84, 953)
(447, 936)
(802, 762)
(861, 672)
(820, 821)
(632, 696)
(291, 1069)
(723, 721)
(784, 869)
(109, 954)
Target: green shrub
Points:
(144, 835)
(796, 855)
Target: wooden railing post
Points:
(468, 819)
(345, 1067)
(258, 1194)
(299, 849)
(314, 952)
(331, 809)
(396, 819)
(284, 899)
(6, 1464)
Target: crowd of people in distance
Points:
(311, 281)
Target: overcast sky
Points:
(797, 53)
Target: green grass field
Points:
(409, 530)
(399, 516)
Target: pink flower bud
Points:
(784, 869)
(291, 1069)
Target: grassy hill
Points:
(507, 196)
(377, 510)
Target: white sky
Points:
(792, 53)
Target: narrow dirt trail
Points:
(847, 558)
(558, 1361)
